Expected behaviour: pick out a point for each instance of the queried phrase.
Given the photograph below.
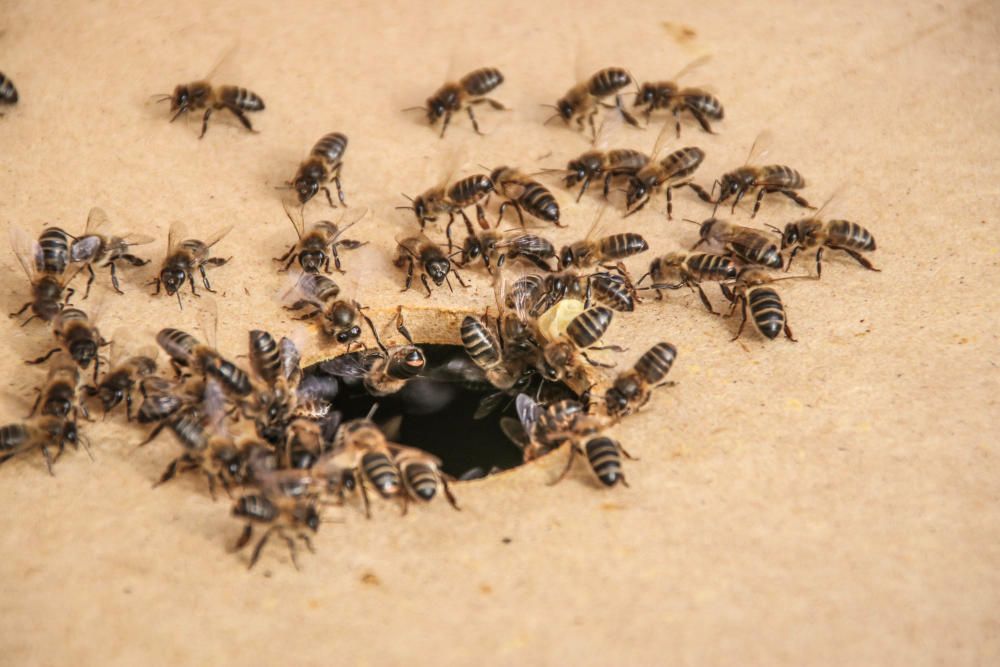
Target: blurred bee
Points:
(184, 257)
(203, 95)
(485, 350)
(751, 290)
(585, 99)
(96, 248)
(769, 178)
(46, 262)
(288, 517)
(59, 395)
(814, 232)
(337, 318)
(421, 475)
(609, 165)
(160, 399)
(746, 243)
(597, 250)
(77, 335)
(689, 270)
(561, 354)
(467, 92)
(452, 198)
(39, 433)
(417, 249)
(360, 446)
(633, 388)
(495, 247)
(673, 171)
(323, 165)
(613, 290)
(125, 375)
(321, 237)
(524, 194)
(276, 368)
(385, 371)
(667, 95)
(8, 93)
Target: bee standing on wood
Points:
(184, 257)
(323, 165)
(667, 95)
(597, 250)
(96, 248)
(586, 98)
(747, 244)
(59, 396)
(452, 198)
(467, 92)
(417, 249)
(282, 515)
(421, 475)
(47, 265)
(633, 388)
(321, 237)
(751, 290)
(689, 270)
(768, 178)
(39, 433)
(337, 317)
(125, 374)
(814, 232)
(77, 335)
(524, 194)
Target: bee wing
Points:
(208, 321)
(489, 404)
(175, 235)
(760, 147)
(595, 226)
(213, 402)
(135, 238)
(698, 62)
(515, 432)
(84, 249)
(609, 131)
(218, 236)
(26, 249)
(527, 411)
(97, 222)
(831, 202)
(661, 139)
(349, 218)
(346, 365)
(224, 58)
(290, 357)
(299, 224)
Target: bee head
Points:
(306, 187)
(565, 109)
(347, 335)
(312, 260)
(567, 257)
(645, 95)
(69, 432)
(615, 401)
(790, 236)
(435, 109)
(730, 184)
(110, 397)
(312, 519)
(637, 190)
(181, 99)
(172, 279)
(83, 351)
(471, 249)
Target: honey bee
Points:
(184, 257)
(75, 334)
(813, 232)
(524, 194)
(467, 92)
(323, 165)
(276, 366)
(746, 243)
(39, 433)
(337, 318)
(8, 93)
(561, 353)
(613, 290)
(495, 247)
(199, 95)
(59, 396)
(125, 374)
(288, 517)
(360, 446)
(314, 243)
(596, 250)
(769, 178)
(484, 348)
(159, 399)
(673, 171)
(585, 99)
(421, 475)
(609, 165)
(699, 102)
(385, 371)
(603, 456)
(47, 265)
(452, 198)
(417, 249)
(751, 290)
(690, 270)
(633, 388)
(96, 248)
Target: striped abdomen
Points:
(69, 318)
(849, 235)
(421, 480)
(536, 199)
(331, 148)
(54, 254)
(256, 508)
(240, 98)
(619, 246)
(682, 163)
(380, 471)
(612, 291)
(12, 436)
(705, 266)
(157, 407)
(265, 358)
(470, 190)
(481, 81)
(318, 287)
(233, 379)
(189, 429)
(780, 176)
(405, 363)
(480, 343)
(767, 312)
(178, 344)
(8, 93)
(626, 159)
(608, 82)
(605, 460)
(704, 103)
(757, 251)
(587, 328)
(654, 365)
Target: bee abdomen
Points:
(608, 81)
(241, 98)
(587, 328)
(480, 343)
(318, 286)
(605, 460)
(762, 252)
(264, 355)
(470, 189)
(331, 147)
(782, 176)
(256, 508)
(654, 365)
(12, 436)
(406, 364)
(422, 480)
(683, 162)
(619, 246)
(188, 429)
(481, 81)
(707, 105)
(178, 344)
(539, 202)
(768, 313)
(705, 266)
(850, 235)
(612, 292)
(233, 378)
(381, 473)
(8, 93)
(627, 158)
(54, 245)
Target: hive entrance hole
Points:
(435, 413)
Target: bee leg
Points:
(448, 494)
(133, 260)
(242, 118)
(791, 256)
(204, 122)
(45, 357)
(336, 182)
(593, 130)
(169, 473)
(48, 459)
(739, 332)
(23, 308)
(625, 453)
(176, 115)
(788, 333)
(427, 286)
(292, 549)
(287, 256)
(409, 274)
(204, 280)
(38, 399)
(90, 280)
(569, 464)
(260, 547)
(114, 279)
(472, 117)
(819, 262)
(730, 297)
(597, 364)
(128, 405)
(364, 494)
(858, 257)
(704, 299)
(69, 295)
(670, 203)
(336, 260)
(152, 434)
(583, 188)
(700, 117)
(760, 198)
(401, 326)
(244, 537)
(307, 541)
(157, 282)
(329, 197)
(459, 279)
(795, 197)
(677, 120)
(629, 118)
(638, 208)
(444, 124)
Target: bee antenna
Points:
(408, 197)
(371, 412)
(549, 106)
(160, 97)
(414, 109)
(549, 119)
(485, 167)
(642, 278)
(776, 230)
(693, 222)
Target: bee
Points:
(610, 289)
(690, 270)
(281, 515)
(421, 475)
(360, 446)
(586, 98)
(467, 92)
(47, 265)
(95, 248)
(417, 249)
(314, 243)
(603, 456)
(673, 171)
(769, 178)
(561, 353)
(452, 198)
(596, 250)
(667, 95)
(39, 433)
(496, 247)
(58, 397)
(813, 232)
(75, 334)
(125, 374)
(524, 194)
(199, 95)
(609, 165)
(8, 93)
(751, 290)
(276, 366)
(633, 388)
(159, 399)
(323, 165)
(184, 257)
(484, 348)
(337, 318)
(745, 243)
(385, 371)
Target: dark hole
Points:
(436, 412)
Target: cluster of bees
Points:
(274, 432)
